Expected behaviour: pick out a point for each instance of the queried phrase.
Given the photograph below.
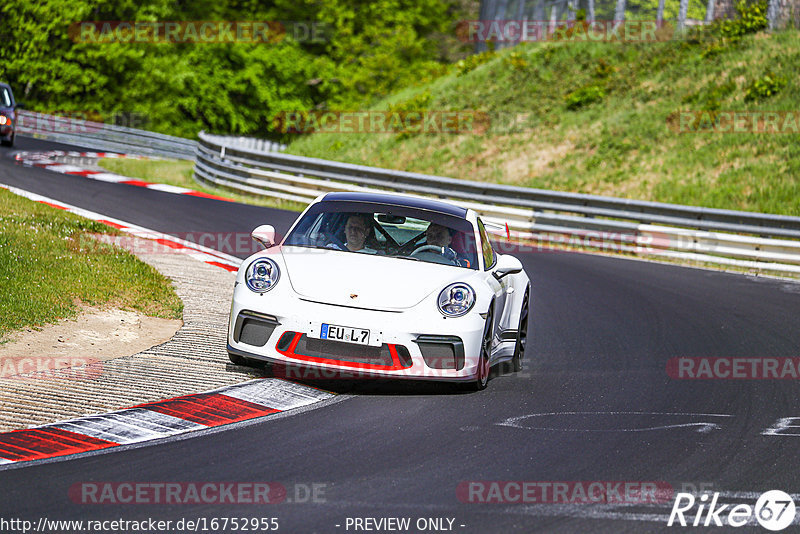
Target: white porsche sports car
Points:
(385, 286)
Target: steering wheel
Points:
(426, 248)
(446, 252)
(331, 241)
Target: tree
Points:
(619, 12)
(682, 14)
(368, 49)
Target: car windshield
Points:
(387, 230)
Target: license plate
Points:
(346, 334)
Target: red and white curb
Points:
(175, 244)
(47, 160)
(158, 420)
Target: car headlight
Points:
(262, 275)
(4, 120)
(456, 299)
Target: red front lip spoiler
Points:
(296, 373)
(289, 352)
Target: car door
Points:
(498, 287)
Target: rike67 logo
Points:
(774, 510)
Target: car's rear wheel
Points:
(482, 374)
(522, 334)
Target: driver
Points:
(355, 230)
(440, 236)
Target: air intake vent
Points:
(442, 352)
(254, 329)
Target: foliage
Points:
(365, 50)
(584, 96)
(516, 60)
(710, 97)
(419, 102)
(603, 69)
(764, 87)
(752, 18)
(647, 10)
(470, 63)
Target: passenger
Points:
(356, 230)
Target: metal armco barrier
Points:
(744, 239)
(101, 136)
(249, 143)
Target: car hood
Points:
(364, 280)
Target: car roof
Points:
(399, 200)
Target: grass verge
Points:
(603, 118)
(49, 266)
(179, 173)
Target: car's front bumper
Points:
(418, 343)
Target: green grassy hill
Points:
(602, 118)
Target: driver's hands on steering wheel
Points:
(332, 242)
(448, 253)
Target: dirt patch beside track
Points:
(96, 333)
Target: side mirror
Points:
(264, 234)
(506, 264)
(18, 105)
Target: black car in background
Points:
(8, 115)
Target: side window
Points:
(6, 97)
(486, 247)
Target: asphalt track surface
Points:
(594, 402)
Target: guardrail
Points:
(101, 136)
(745, 239)
(247, 143)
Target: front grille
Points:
(298, 345)
(347, 352)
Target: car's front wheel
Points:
(238, 360)
(482, 374)
(249, 362)
(522, 334)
